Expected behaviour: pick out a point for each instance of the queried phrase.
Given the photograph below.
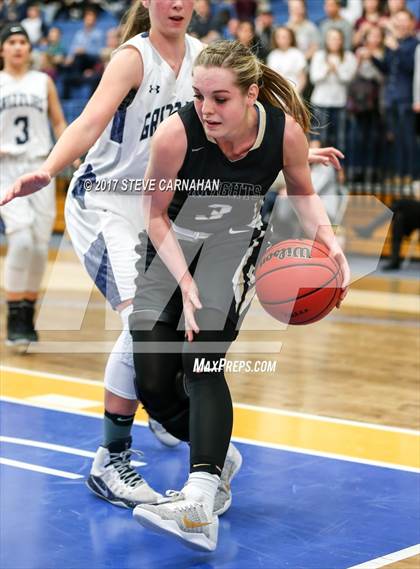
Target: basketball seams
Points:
(325, 285)
(316, 317)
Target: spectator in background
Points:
(246, 9)
(265, 28)
(49, 9)
(286, 59)
(392, 7)
(371, 17)
(307, 35)
(398, 68)
(247, 36)
(34, 25)
(416, 95)
(334, 20)
(12, 11)
(54, 54)
(202, 21)
(84, 56)
(364, 112)
(112, 42)
(231, 30)
(331, 71)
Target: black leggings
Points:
(204, 418)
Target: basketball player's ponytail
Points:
(280, 92)
(274, 88)
(135, 21)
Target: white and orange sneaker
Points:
(189, 521)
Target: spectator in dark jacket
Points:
(398, 69)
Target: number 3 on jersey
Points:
(23, 124)
(217, 212)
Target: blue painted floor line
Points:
(289, 511)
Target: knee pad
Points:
(18, 259)
(119, 371)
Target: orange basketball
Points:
(297, 282)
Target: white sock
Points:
(202, 487)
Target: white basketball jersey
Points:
(122, 151)
(24, 124)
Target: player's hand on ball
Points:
(338, 255)
(191, 303)
(26, 185)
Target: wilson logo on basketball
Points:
(289, 252)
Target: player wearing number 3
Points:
(28, 100)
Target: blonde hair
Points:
(135, 21)
(273, 88)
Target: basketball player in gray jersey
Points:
(148, 78)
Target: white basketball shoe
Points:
(188, 521)
(113, 478)
(223, 498)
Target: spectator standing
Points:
(335, 20)
(366, 136)
(370, 18)
(247, 36)
(306, 32)
(286, 59)
(265, 28)
(331, 71)
(202, 21)
(398, 68)
(246, 9)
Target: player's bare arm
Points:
(305, 201)
(123, 73)
(168, 149)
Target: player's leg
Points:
(18, 217)
(112, 476)
(43, 207)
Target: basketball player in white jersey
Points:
(148, 78)
(28, 102)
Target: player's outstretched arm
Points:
(123, 73)
(305, 201)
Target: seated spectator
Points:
(331, 71)
(49, 9)
(247, 36)
(370, 18)
(306, 32)
(202, 21)
(398, 69)
(335, 20)
(54, 53)
(265, 28)
(81, 65)
(12, 11)
(34, 26)
(113, 40)
(286, 59)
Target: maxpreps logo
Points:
(154, 118)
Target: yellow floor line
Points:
(353, 440)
